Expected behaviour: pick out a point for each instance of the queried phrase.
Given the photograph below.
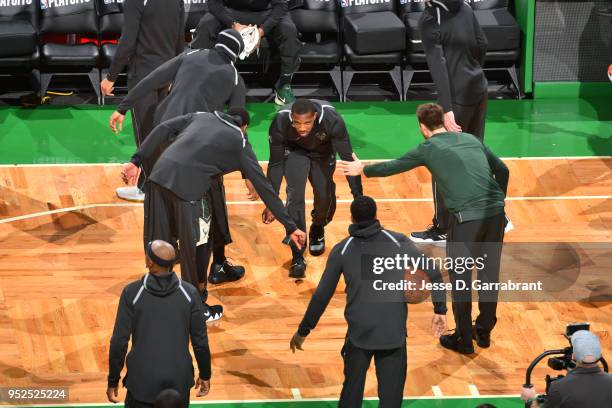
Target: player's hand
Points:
(610, 72)
(203, 387)
(252, 193)
(129, 173)
(298, 237)
(267, 217)
(107, 87)
(239, 27)
(116, 119)
(112, 393)
(296, 342)
(261, 35)
(449, 122)
(438, 325)
(528, 393)
(352, 168)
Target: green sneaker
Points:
(284, 96)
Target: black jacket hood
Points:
(365, 229)
(160, 285)
(452, 6)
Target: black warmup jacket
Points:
(153, 33)
(328, 137)
(222, 10)
(202, 81)
(375, 321)
(201, 147)
(455, 47)
(161, 314)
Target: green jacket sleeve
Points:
(409, 161)
(499, 169)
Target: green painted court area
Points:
(380, 130)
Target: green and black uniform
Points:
(474, 182)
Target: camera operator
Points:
(584, 386)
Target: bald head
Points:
(163, 250)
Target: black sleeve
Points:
(438, 297)
(119, 340)
(279, 9)
(499, 169)
(276, 162)
(324, 292)
(221, 13)
(132, 13)
(158, 78)
(199, 339)
(480, 51)
(251, 168)
(163, 132)
(342, 146)
(554, 399)
(180, 41)
(432, 43)
(238, 97)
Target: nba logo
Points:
(44, 4)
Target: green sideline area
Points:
(379, 130)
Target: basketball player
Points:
(376, 322)
(455, 47)
(177, 205)
(474, 183)
(153, 33)
(201, 81)
(304, 140)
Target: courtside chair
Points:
(69, 58)
(318, 25)
(374, 41)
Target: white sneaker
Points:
(509, 226)
(131, 193)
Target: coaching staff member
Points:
(161, 314)
(584, 386)
(202, 81)
(202, 146)
(304, 141)
(376, 327)
(153, 33)
(455, 48)
(474, 182)
(273, 21)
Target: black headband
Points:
(156, 259)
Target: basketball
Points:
(414, 294)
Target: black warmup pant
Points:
(300, 168)
(168, 217)
(284, 36)
(475, 239)
(471, 118)
(130, 402)
(219, 227)
(390, 373)
(143, 122)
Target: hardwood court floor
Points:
(61, 274)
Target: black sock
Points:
(219, 255)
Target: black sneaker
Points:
(482, 339)
(297, 269)
(316, 238)
(452, 342)
(430, 236)
(224, 273)
(212, 313)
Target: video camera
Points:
(562, 361)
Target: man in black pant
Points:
(153, 33)
(474, 183)
(202, 146)
(202, 81)
(161, 314)
(273, 22)
(455, 47)
(376, 321)
(304, 141)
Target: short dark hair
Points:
(302, 106)
(363, 208)
(486, 406)
(240, 112)
(431, 115)
(169, 398)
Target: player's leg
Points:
(437, 232)
(297, 167)
(157, 215)
(285, 37)
(324, 189)
(391, 375)
(356, 364)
